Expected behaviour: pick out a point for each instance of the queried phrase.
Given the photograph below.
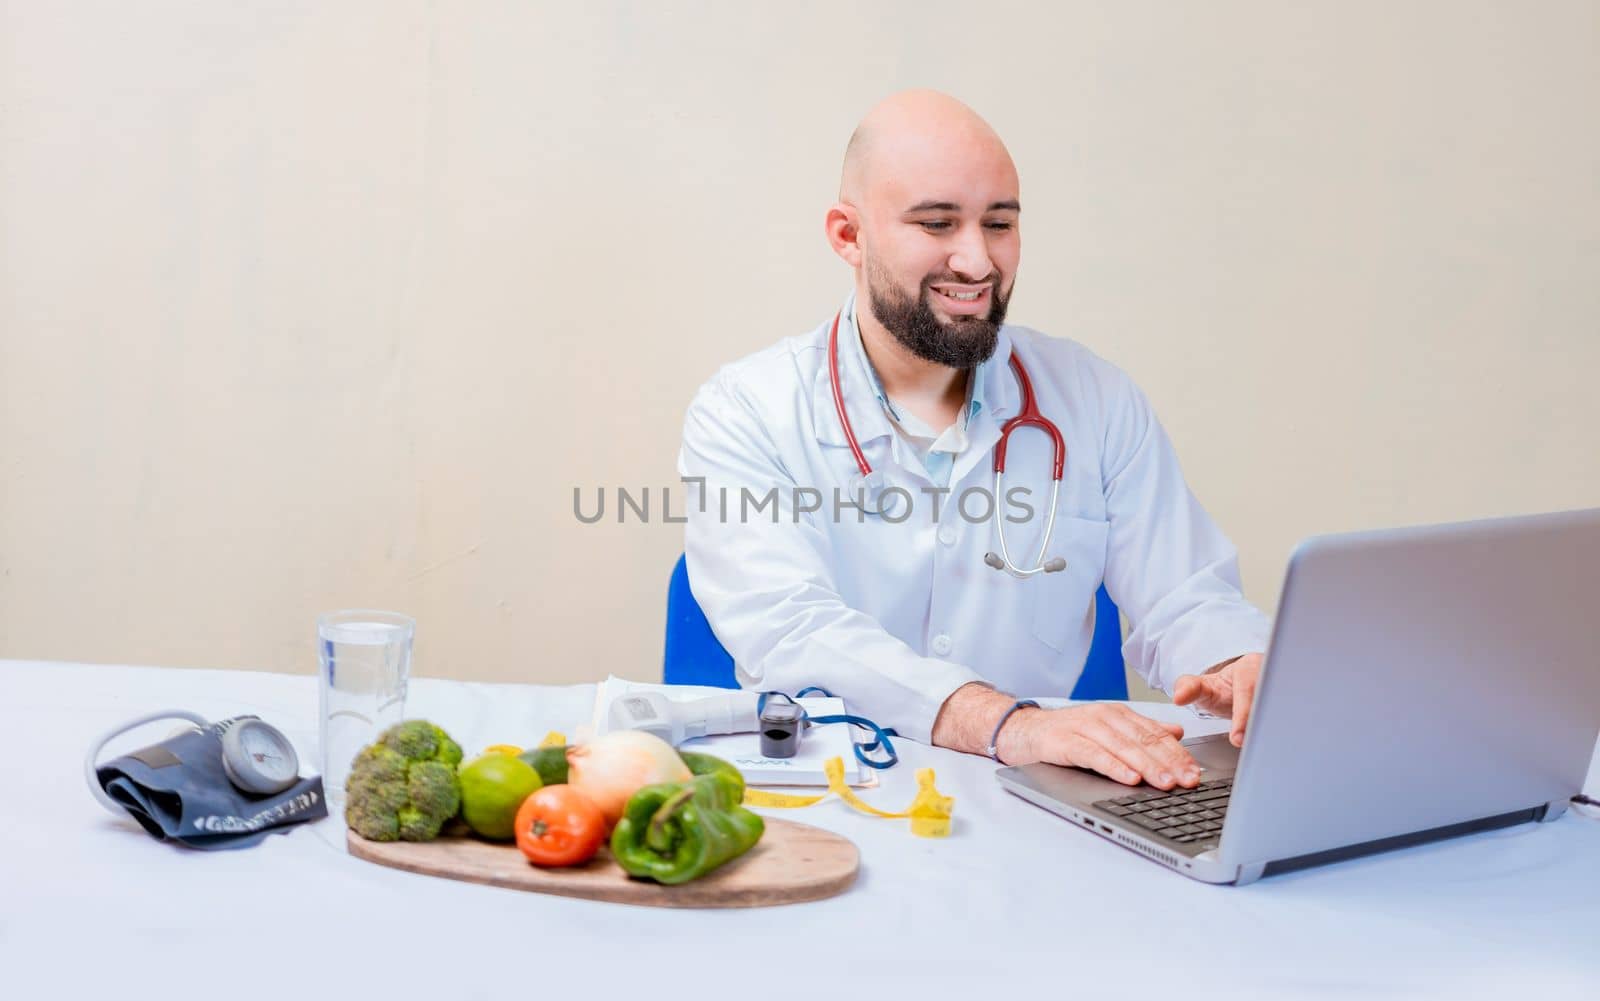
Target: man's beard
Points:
(956, 342)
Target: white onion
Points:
(611, 768)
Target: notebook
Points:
(743, 750)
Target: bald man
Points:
(837, 530)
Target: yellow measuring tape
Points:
(929, 812)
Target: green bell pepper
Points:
(674, 832)
(699, 763)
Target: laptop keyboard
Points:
(1187, 816)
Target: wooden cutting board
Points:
(790, 864)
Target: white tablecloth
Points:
(1014, 901)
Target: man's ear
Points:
(843, 227)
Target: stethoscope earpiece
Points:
(1052, 566)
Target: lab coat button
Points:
(947, 535)
(942, 644)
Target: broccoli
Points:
(404, 786)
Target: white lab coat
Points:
(894, 617)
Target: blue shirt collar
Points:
(975, 387)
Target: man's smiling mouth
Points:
(960, 293)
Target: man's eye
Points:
(1000, 225)
(935, 225)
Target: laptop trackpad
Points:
(1213, 752)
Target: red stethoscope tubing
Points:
(1028, 417)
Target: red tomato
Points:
(558, 825)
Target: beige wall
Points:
(310, 305)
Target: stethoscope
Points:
(1028, 417)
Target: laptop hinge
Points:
(1403, 841)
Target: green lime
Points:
(492, 788)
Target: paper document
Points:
(743, 750)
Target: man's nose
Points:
(970, 259)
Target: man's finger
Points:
(1087, 753)
(1244, 698)
(1207, 691)
(1158, 743)
(1134, 754)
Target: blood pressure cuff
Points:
(177, 790)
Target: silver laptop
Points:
(1421, 683)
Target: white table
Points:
(90, 907)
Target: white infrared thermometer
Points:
(676, 721)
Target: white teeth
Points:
(963, 296)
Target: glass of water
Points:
(365, 659)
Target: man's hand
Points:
(1226, 691)
(1105, 736)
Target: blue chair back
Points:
(1104, 674)
(694, 656)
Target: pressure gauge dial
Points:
(258, 757)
